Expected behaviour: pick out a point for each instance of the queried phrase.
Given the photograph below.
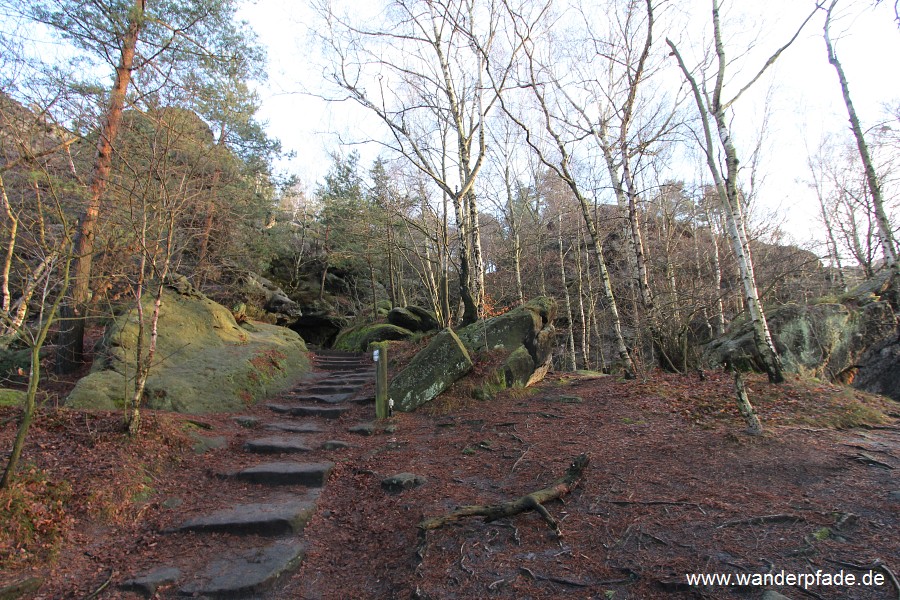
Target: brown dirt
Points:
(670, 470)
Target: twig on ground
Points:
(652, 503)
(866, 459)
(780, 518)
(553, 578)
(533, 501)
(877, 564)
(516, 464)
(102, 587)
(809, 593)
(539, 413)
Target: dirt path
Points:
(673, 488)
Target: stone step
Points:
(294, 427)
(287, 473)
(331, 388)
(273, 518)
(348, 370)
(299, 410)
(246, 572)
(334, 352)
(318, 398)
(355, 382)
(276, 445)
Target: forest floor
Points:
(673, 487)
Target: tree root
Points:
(533, 501)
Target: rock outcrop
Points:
(358, 338)
(524, 334)
(853, 338)
(430, 372)
(413, 318)
(205, 361)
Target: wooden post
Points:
(379, 354)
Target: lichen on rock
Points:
(205, 362)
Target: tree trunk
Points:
(46, 320)
(585, 342)
(728, 197)
(70, 351)
(470, 309)
(754, 426)
(570, 341)
(885, 233)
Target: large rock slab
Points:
(525, 334)
(294, 427)
(273, 518)
(287, 473)
(246, 572)
(212, 364)
(430, 372)
(276, 445)
(413, 318)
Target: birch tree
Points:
(544, 91)
(885, 232)
(423, 72)
(714, 113)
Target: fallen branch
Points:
(533, 501)
(105, 584)
(546, 415)
(762, 519)
(553, 578)
(652, 503)
(877, 565)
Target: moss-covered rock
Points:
(414, 318)
(518, 368)
(824, 339)
(204, 361)
(402, 317)
(10, 397)
(430, 372)
(358, 338)
(525, 334)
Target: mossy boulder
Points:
(10, 397)
(204, 362)
(357, 339)
(402, 317)
(525, 334)
(529, 325)
(822, 340)
(430, 372)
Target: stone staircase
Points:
(264, 537)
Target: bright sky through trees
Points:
(801, 91)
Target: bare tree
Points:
(423, 74)
(714, 111)
(885, 232)
(543, 87)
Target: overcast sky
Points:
(805, 97)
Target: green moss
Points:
(358, 338)
(206, 362)
(10, 397)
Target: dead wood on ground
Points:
(533, 501)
